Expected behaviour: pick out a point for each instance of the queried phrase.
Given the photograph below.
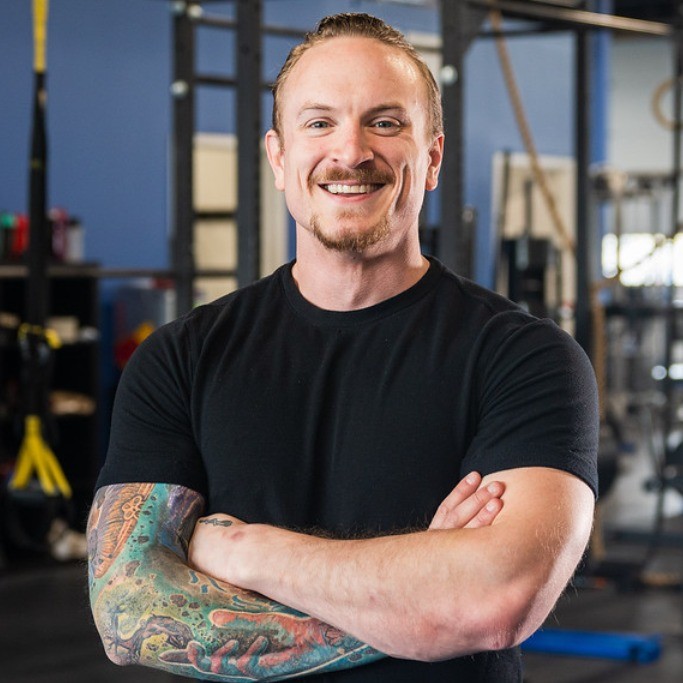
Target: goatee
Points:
(348, 241)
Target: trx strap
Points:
(36, 458)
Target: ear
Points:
(275, 153)
(435, 158)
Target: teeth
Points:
(338, 188)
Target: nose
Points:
(352, 147)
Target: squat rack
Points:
(460, 23)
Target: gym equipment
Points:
(631, 647)
(35, 341)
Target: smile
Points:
(339, 188)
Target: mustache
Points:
(363, 176)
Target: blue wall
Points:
(108, 120)
(109, 65)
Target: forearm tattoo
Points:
(152, 609)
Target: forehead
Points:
(350, 70)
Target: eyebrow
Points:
(319, 107)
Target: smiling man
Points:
(354, 154)
(324, 421)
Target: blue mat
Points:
(631, 647)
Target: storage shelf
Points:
(73, 291)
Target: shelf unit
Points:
(72, 424)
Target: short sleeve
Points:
(537, 401)
(151, 436)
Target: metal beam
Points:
(585, 240)
(215, 80)
(159, 273)
(183, 134)
(213, 21)
(450, 240)
(670, 334)
(249, 140)
(573, 18)
(459, 25)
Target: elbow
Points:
(106, 613)
(116, 658)
(509, 618)
(108, 638)
(458, 630)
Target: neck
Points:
(339, 281)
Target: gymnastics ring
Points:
(659, 92)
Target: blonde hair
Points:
(359, 25)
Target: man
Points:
(322, 416)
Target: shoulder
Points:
(168, 360)
(486, 316)
(501, 335)
(472, 302)
(187, 334)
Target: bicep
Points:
(127, 518)
(545, 523)
(152, 434)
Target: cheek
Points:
(299, 170)
(293, 177)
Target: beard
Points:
(350, 241)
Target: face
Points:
(356, 156)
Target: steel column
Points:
(183, 91)
(460, 24)
(585, 244)
(670, 334)
(249, 140)
(451, 245)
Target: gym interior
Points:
(560, 189)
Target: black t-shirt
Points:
(354, 422)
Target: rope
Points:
(599, 341)
(539, 174)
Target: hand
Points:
(469, 506)
(209, 539)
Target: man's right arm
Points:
(151, 608)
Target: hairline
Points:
(434, 112)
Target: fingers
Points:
(486, 515)
(464, 489)
(469, 505)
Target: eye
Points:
(386, 125)
(318, 124)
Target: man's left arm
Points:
(429, 595)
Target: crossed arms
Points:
(255, 602)
(433, 595)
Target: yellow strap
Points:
(22, 470)
(50, 335)
(36, 455)
(40, 10)
(57, 475)
(39, 456)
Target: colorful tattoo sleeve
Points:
(152, 609)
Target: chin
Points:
(351, 241)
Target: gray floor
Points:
(46, 634)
